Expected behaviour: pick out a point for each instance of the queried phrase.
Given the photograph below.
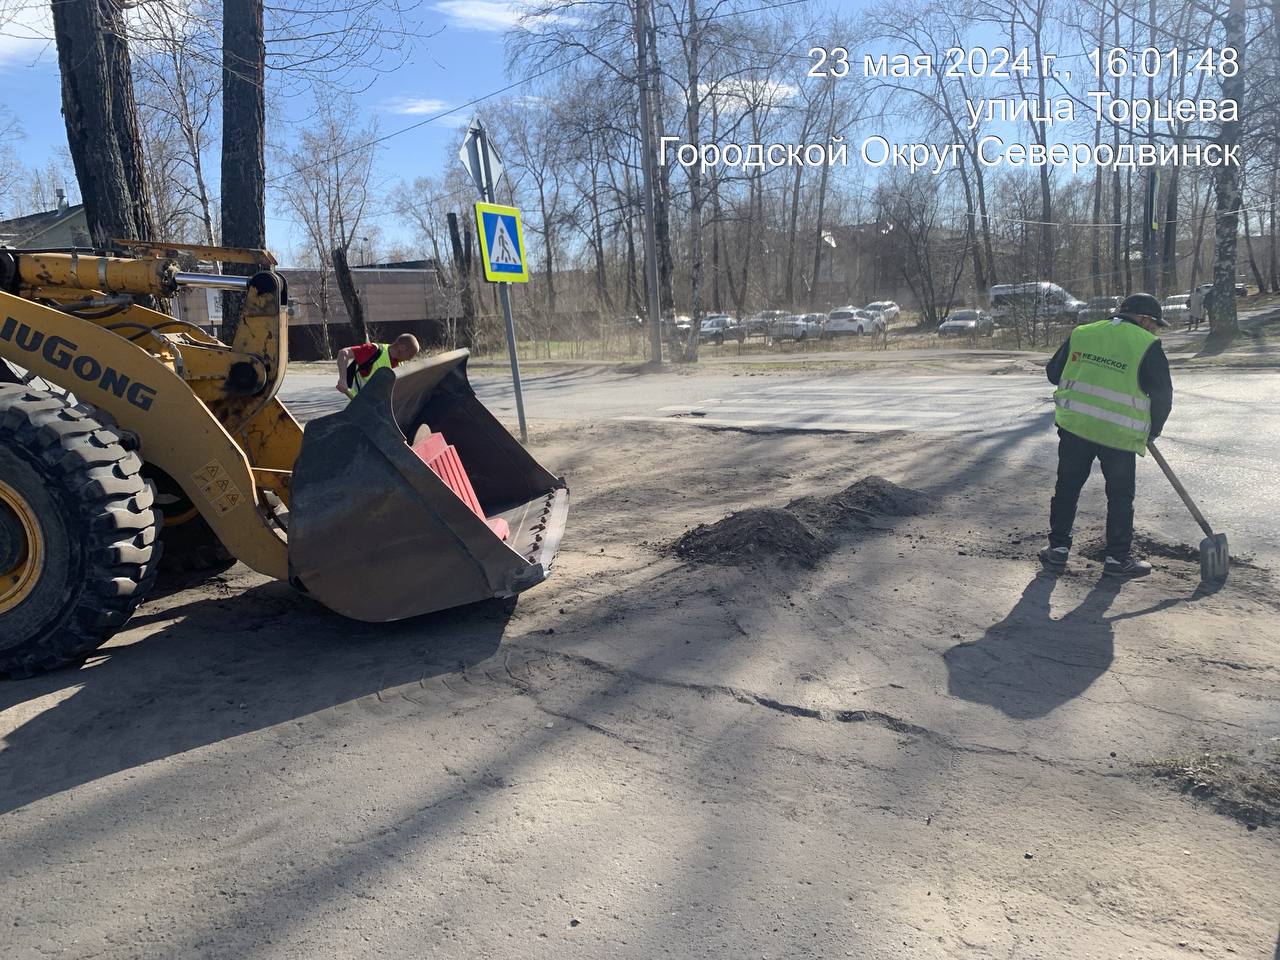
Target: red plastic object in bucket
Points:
(442, 458)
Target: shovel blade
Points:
(1214, 559)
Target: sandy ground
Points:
(917, 747)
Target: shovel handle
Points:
(1182, 491)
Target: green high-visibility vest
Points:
(1098, 397)
(356, 379)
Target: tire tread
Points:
(122, 551)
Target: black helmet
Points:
(1142, 305)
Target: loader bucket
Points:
(377, 534)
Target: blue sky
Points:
(458, 57)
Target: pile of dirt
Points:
(753, 536)
(1246, 788)
(865, 499)
(799, 533)
(1145, 546)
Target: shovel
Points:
(1213, 548)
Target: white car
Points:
(1176, 308)
(1032, 303)
(890, 309)
(800, 326)
(852, 322)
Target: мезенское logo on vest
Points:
(1112, 362)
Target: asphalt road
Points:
(918, 749)
(1221, 438)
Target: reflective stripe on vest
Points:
(1099, 397)
(1067, 403)
(382, 359)
(1115, 396)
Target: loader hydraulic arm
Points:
(235, 380)
(197, 404)
(75, 272)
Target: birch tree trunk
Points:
(1221, 301)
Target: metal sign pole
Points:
(504, 294)
(479, 151)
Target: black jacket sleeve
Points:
(1053, 369)
(1154, 379)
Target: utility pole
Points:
(646, 148)
(1150, 224)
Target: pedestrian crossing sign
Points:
(501, 244)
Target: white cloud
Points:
(481, 14)
(26, 35)
(425, 107)
(415, 106)
(497, 16)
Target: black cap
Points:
(1142, 305)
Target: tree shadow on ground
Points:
(1251, 331)
(196, 681)
(1029, 664)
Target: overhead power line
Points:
(508, 87)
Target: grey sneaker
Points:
(1129, 567)
(1054, 558)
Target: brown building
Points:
(397, 298)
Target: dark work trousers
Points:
(1075, 460)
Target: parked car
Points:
(1176, 309)
(883, 320)
(762, 323)
(890, 309)
(718, 327)
(682, 322)
(1098, 308)
(1242, 289)
(852, 322)
(801, 326)
(967, 323)
(1040, 302)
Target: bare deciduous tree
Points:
(330, 190)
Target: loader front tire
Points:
(78, 547)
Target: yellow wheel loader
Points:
(127, 435)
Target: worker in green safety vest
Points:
(1114, 394)
(356, 364)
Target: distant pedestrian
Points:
(1196, 306)
(1114, 394)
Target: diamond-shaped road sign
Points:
(476, 150)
